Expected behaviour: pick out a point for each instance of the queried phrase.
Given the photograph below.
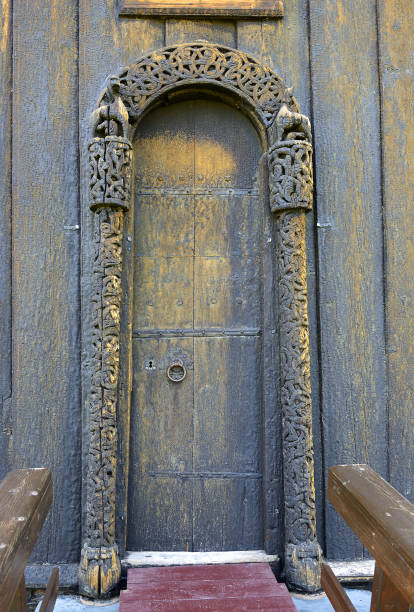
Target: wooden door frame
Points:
(243, 82)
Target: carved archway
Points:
(125, 99)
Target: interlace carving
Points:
(110, 166)
(101, 478)
(290, 163)
(110, 153)
(142, 82)
(299, 489)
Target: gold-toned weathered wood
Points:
(346, 131)
(44, 414)
(25, 499)
(261, 90)
(395, 25)
(161, 427)
(198, 260)
(335, 591)
(284, 45)
(382, 519)
(5, 233)
(202, 8)
(99, 28)
(110, 165)
(124, 100)
(290, 196)
(178, 30)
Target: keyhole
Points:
(150, 364)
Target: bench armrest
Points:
(25, 498)
(381, 518)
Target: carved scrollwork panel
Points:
(303, 555)
(290, 164)
(110, 167)
(100, 548)
(291, 192)
(142, 82)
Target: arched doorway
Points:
(166, 75)
(196, 462)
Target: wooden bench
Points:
(25, 499)
(384, 522)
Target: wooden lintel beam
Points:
(202, 8)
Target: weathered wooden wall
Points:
(351, 68)
(44, 421)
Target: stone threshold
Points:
(353, 571)
(37, 575)
(142, 559)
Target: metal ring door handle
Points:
(176, 371)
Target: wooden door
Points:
(196, 445)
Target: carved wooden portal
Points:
(273, 109)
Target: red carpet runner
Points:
(239, 587)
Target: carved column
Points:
(110, 164)
(291, 186)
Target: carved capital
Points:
(290, 163)
(99, 571)
(110, 168)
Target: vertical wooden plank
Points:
(348, 180)
(215, 528)
(396, 24)
(106, 43)
(228, 444)
(228, 284)
(160, 496)
(212, 30)
(284, 45)
(227, 415)
(272, 440)
(5, 231)
(46, 401)
(160, 489)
